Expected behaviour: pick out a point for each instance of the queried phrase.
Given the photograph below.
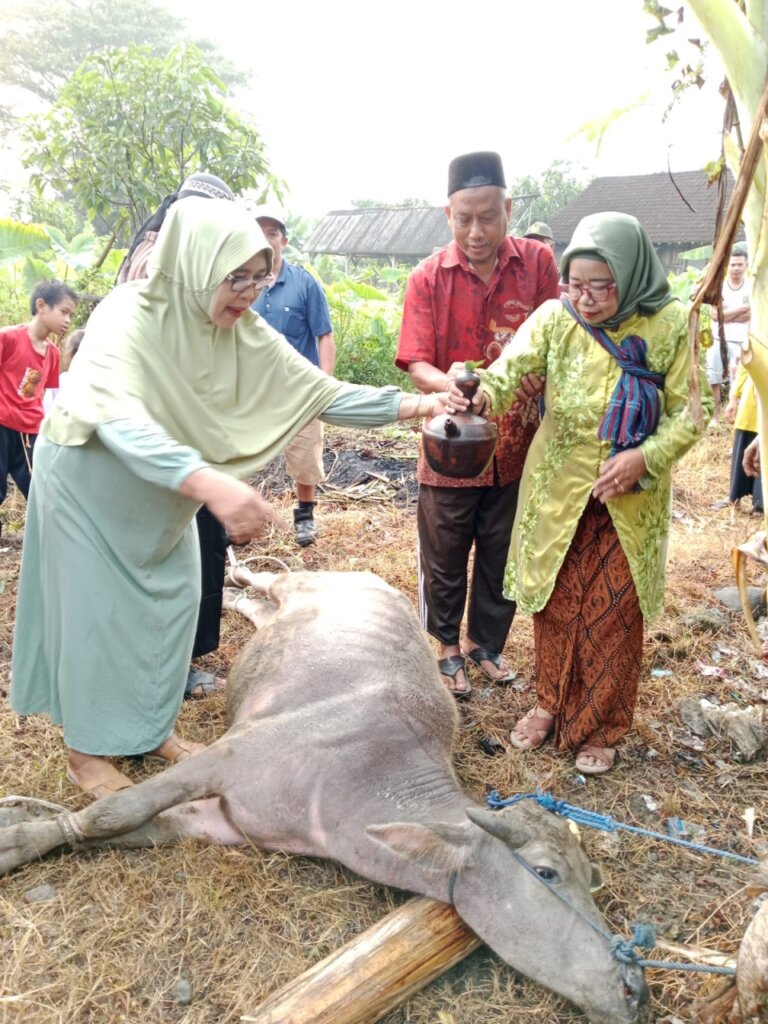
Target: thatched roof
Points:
(405, 232)
(668, 218)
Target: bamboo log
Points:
(375, 972)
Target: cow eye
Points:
(547, 874)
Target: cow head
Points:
(511, 905)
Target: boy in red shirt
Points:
(29, 364)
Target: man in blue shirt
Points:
(296, 306)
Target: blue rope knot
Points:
(623, 950)
(643, 935)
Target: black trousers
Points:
(741, 484)
(450, 520)
(213, 549)
(15, 460)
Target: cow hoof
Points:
(15, 810)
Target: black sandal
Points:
(480, 654)
(451, 667)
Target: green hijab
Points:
(151, 352)
(621, 241)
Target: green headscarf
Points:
(621, 241)
(151, 352)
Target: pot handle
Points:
(468, 383)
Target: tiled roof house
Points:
(674, 224)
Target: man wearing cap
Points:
(466, 302)
(296, 306)
(542, 233)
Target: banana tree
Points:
(36, 252)
(738, 31)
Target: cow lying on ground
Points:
(340, 745)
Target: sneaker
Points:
(304, 524)
(306, 532)
(724, 503)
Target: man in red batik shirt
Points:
(466, 302)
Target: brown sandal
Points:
(600, 759)
(174, 750)
(103, 783)
(530, 735)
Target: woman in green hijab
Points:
(179, 392)
(589, 542)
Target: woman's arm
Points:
(152, 454)
(358, 405)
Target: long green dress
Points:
(110, 581)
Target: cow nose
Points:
(636, 990)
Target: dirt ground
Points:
(197, 934)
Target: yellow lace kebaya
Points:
(564, 459)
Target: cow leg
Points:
(260, 613)
(132, 817)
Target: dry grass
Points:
(124, 928)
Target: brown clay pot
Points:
(460, 445)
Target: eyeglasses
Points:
(598, 291)
(240, 284)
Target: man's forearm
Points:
(326, 353)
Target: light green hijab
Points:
(621, 241)
(151, 352)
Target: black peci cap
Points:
(475, 169)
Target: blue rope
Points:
(643, 935)
(591, 819)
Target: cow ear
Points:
(441, 844)
(596, 882)
(495, 823)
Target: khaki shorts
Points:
(304, 455)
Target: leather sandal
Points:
(450, 667)
(532, 736)
(174, 750)
(600, 759)
(101, 783)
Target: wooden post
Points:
(371, 975)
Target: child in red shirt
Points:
(29, 364)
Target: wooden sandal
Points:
(532, 736)
(600, 759)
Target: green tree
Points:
(129, 127)
(45, 41)
(538, 198)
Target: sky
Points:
(356, 100)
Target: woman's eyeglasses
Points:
(598, 291)
(239, 283)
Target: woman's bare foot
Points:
(175, 749)
(95, 775)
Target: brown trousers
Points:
(589, 639)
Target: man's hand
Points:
(531, 386)
(730, 409)
(751, 461)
